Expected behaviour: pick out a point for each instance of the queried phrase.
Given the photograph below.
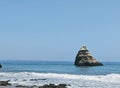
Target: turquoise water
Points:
(59, 67)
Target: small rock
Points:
(4, 83)
(0, 66)
(22, 86)
(54, 86)
(36, 79)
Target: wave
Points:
(33, 78)
(108, 77)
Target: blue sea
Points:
(45, 72)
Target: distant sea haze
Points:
(61, 72)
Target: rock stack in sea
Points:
(84, 58)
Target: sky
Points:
(54, 30)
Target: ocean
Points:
(46, 72)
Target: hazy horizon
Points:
(55, 30)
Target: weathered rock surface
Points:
(84, 58)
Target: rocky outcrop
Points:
(4, 83)
(0, 66)
(84, 58)
(54, 86)
(45, 86)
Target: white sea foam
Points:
(76, 81)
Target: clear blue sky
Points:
(56, 29)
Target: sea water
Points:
(45, 72)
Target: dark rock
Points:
(22, 86)
(54, 86)
(4, 83)
(24, 80)
(84, 58)
(34, 86)
(62, 86)
(0, 66)
(37, 79)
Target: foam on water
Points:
(76, 81)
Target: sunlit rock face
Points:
(84, 58)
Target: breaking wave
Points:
(33, 78)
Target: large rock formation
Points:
(84, 58)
